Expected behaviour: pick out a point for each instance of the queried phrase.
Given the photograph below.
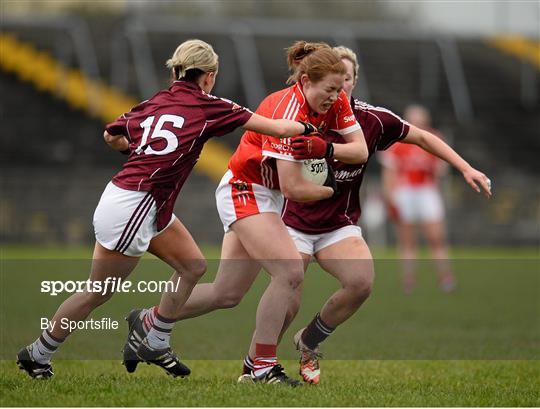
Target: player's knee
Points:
(228, 299)
(294, 279)
(360, 287)
(195, 270)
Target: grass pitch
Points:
(476, 347)
(345, 383)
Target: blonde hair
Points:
(313, 59)
(192, 55)
(347, 53)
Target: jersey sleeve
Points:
(223, 116)
(118, 127)
(345, 122)
(288, 107)
(393, 129)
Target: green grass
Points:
(345, 383)
(476, 347)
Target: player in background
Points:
(163, 137)
(327, 230)
(412, 192)
(250, 198)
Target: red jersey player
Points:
(250, 198)
(411, 187)
(164, 137)
(328, 229)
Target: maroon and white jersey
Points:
(166, 134)
(381, 129)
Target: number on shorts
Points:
(170, 137)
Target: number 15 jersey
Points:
(166, 135)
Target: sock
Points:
(265, 358)
(316, 332)
(148, 318)
(159, 335)
(44, 347)
(248, 365)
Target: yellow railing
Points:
(518, 46)
(94, 97)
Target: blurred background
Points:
(68, 67)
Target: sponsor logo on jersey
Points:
(281, 147)
(346, 175)
(349, 118)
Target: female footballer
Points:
(163, 137)
(328, 231)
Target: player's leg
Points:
(434, 230)
(235, 276)
(176, 247)
(406, 200)
(35, 358)
(349, 260)
(435, 235)
(282, 261)
(236, 273)
(294, 306)
(407, 250)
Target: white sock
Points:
(44, 347)
(149, 318)
(159, 336)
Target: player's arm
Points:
(437, 147)
(281, 128)
(353, 151)
(117, 142)
(295, 187)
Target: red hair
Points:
(316, 60)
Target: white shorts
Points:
(419, 204)
(238, 200)
(313, 243)
(125, 220)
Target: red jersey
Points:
(254, 159)
(166, 135)
(381, 129)
(414, 166)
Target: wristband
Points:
(308, 128)
(329, 151)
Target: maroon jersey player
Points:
(381, 129)
(164, 137)
(328, 229)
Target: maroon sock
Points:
(248, 365)
(316, 332)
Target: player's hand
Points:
(475, 178)
(331, 181)
(311, 147)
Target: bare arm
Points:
(295, 187)
(282, 128)
(116, 142)
(437, 147)
(354, 151)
